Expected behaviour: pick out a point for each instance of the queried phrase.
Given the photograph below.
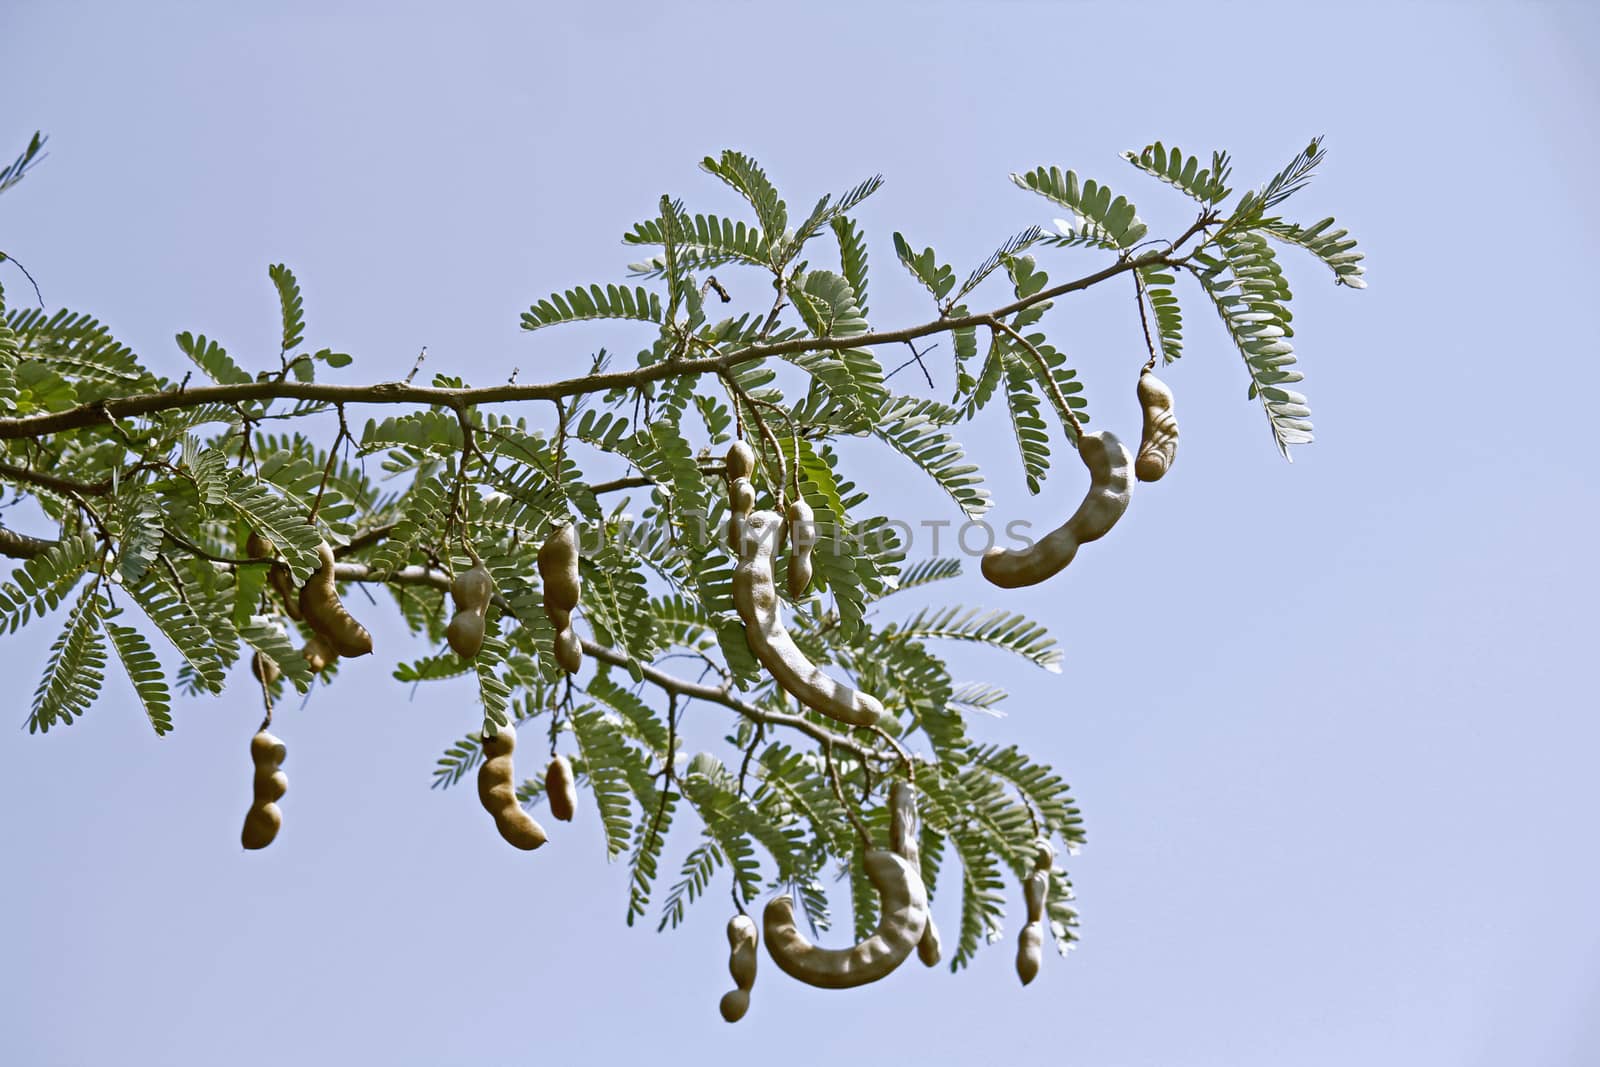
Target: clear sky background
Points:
(1332, 724)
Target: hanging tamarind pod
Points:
(497, 792)
(560, 789)
(756, 598)
(471, 592)
(741, 965)
(1158, 441)
(1110, 489)
(318, 653)
(558, 570)
(264, 818)
(1030, 941)
(802, 536)
(903, 842)
(325, 613)
(902, 916)
(278, 574)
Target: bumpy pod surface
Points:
(802, 536)
(1030, 942)
(903, 842)
(471, 591)
(497, 791)
(1158, 443)
(561, 790)
(1110, 488)
(558, 570)
(741, 965)
(903, 917)
(325, 613)
(756, 599)
(318, 653)
(264, 818)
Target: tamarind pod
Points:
(756, 599)
(1036, 889)
(558, 569)
(265, 670)
(561, 789)
(803, 535)
(1109, 462)
(568, 650)
(325, 613)
(903, 843)
(1030, 952)
(497, 792)
(471, 591)
(903, 918)
(318, 653)
(741, 501)
(741, 461)
(278, 574)
(262, 821)
(1158, 441)
(741, 965)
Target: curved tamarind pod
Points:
(471, 591)
(561, 789)
(264, 818)
(757, 602)
(325, 613)
(1108, 461)
(1158, 442)
(741, 461)
(903, 916)
(741, 965)
(318, 653)
(1035, 890)
(558, 570)
(497, 791)
(265, 670)
(802, 536)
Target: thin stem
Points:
(1045, 376)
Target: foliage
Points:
(151, 486)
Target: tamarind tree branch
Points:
(420, 575)
(111, 410)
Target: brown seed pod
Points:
(325, 613)
(1158, 443)
(318, 653)
(471, 591)
(561, 790)
(497, 791)
(742, 939)
(756, 599)
(903, 842)
(903, 918)
(1031, 941)
(558, 570)
(263, 667)
(741, 461)
(1110, 488)
(278, 574)
(261, 823)
(802, 536)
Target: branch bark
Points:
(110, 411)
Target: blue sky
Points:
(1329, 722)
